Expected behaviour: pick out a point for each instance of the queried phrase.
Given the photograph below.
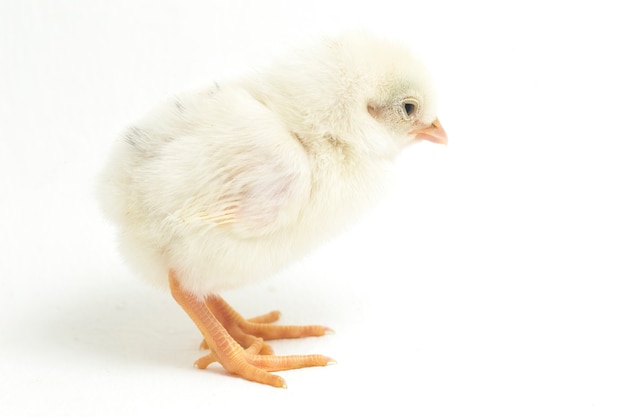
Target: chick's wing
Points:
(236, 168)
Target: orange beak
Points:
(433, 133)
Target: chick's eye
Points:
(409, 107)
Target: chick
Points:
(225, 186)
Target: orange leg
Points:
(245, 332)
(247, 362)
(247, 340)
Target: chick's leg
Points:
(247, 331)
(247, 340)
(229, 353)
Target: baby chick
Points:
(226, 186)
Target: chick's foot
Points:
(246, 332)
(243, 353)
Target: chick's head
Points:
(361, 90)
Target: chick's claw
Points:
(247, 340)
(246, 331)
(255, 348)
(270, 317)
(253, 356)
(237, 350)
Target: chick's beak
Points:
(433, 133)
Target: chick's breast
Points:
(213, 186)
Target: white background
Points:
(490, 282)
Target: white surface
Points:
(492, 277)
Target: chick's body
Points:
(225, 186)
(218, 188)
